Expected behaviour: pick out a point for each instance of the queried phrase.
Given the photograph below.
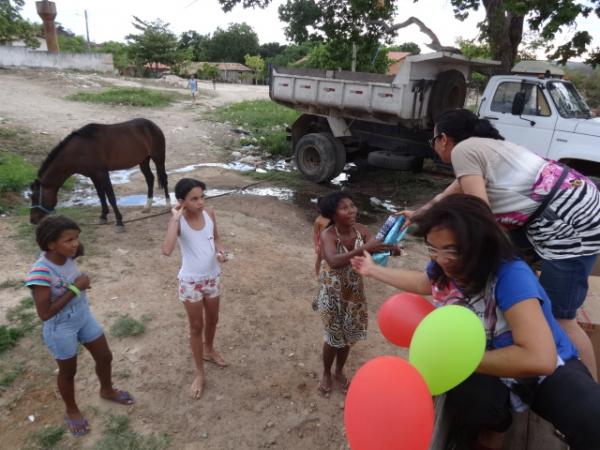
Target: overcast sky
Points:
(111, 19)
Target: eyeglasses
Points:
(433, 139)
(449, 254)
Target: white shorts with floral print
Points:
(195, 291)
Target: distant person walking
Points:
(193, 86)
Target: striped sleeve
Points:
(38, 276)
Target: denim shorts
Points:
(74, 324)
(566, 283)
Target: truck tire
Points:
(387, 159)
(316, 157)
(448, 92)
(340, 155)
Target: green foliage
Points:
(196, 43)
(209, 72)
(271, 49)
(126, 96)
(22, 319)
(119, 51)
(370, 57)
(48, 437)
(266, 120)
(410, 47)
(155, 44)
(471, 49)
(588, 84)
(117, 435)
(72, 44)
(257, 64)
(15, 173)
(7, 377)
(126, 326)
(232, 44)
(13, 26)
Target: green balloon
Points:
(447, 347)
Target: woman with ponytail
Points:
(550, 210)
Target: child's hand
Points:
(82, 282)
(177, 211)
(376, 246)
(222, 256)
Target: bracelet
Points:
(75, 290)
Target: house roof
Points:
(196, 65)
(398, 56)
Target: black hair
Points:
(328, 204)
(481, 244)
(50, 229)
(185, 185)
(461, 124)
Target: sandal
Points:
(77, 427)
(122, 397)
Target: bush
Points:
(126, 326)
(16, 174)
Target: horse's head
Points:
(43, 201)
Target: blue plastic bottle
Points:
(395, 235)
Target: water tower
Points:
(47, 11)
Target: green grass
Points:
(126, 326)
(22, 319)
(48, 437)
(12, 283)
(126, 96)
(7, 377)
(117, 435)
(265, 119)
(15, 173)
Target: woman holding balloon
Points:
(527, 354)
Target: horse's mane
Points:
(87, 131)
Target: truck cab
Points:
(546, 115)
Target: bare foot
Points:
(213, 357)
(197, 387)
(343, 381)
(325, 386)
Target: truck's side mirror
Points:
(518, 104)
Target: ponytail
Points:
(461, 124)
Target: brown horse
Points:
(95, 150)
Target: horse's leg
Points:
(145, 168)
(102, 196)
(110, 194)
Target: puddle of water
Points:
(241, 167)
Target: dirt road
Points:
(267, 331)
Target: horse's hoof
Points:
(120, 228)
(102, 220)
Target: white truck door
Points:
(535, 127)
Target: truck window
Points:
(535, 102)
(567, 100)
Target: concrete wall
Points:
(23, 57)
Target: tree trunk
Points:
(505, 31)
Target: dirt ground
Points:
(268, 332)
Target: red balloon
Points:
(388, 406)
(400, 315)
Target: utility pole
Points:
(87, 31)
(353, 57)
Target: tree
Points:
(119, 51)
(505, 20)
(155, 44)
(196, 43)
(271, 49)
(232, 44)
(72, 44)
(14, 27)
(338, 24)
(409, 47)
(257, 64)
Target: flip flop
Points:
(344, 385)
(122, 397)
(218, 362)
(72, 423)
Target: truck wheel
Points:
(387, 159)
(448, 92)
(315, 157)
(340, 155)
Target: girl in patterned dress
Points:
(341, 298)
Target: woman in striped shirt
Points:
(547, 208)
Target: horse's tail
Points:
(158, 153)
